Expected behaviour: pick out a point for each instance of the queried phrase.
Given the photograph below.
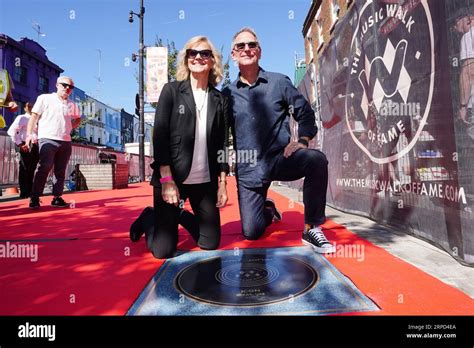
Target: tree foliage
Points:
(226, 82)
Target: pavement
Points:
(413, 250)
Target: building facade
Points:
(318, 28)
(113, 128)
(31, 71)
(95, 125)
(127, 127)
(136, 130)
(33, 74)
(79, 97)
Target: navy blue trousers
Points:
(308, 163)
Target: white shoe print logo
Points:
(374, 77)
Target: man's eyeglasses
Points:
(205, 54)
(65, 85)
(240, 46)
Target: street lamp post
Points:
(141, 135)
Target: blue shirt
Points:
(259, 119)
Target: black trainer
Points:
(34, 203)
(141, 224)
(314, 237)
(58, 202)
(277, 214)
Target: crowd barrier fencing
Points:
(81, 154)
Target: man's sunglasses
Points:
(65, 85)
(240, 46)
(206, 54)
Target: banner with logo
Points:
(391, 126)
(156, 72)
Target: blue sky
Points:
(75, 29)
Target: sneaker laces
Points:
(318, 235)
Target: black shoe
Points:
(314, 237)
(277, 214)
(140, 225)
(58, 202)
(34, 203)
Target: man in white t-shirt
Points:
(56, 117)
(464, 24)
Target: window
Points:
(334, 13)
(310, 41)
(43, 84)
(319, 29)
(20, 74)
(98, 141)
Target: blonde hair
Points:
(182, 71)
(245, 30)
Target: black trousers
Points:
(28, 163)
(204, 225)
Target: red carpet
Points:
(87, 265)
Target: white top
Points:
(199, 172)
(17, 130)
(467, 52)
(467, 45)
(56, 117)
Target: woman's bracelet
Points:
(166, 179)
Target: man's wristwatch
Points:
(303, 141)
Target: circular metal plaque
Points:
(246, 280)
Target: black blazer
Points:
(174, 131)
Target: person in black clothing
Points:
(190, 134)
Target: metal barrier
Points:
(81, 154)
(9, 162)
(134, 168)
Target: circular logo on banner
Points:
(392, 69)
(247, 280)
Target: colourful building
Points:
(31, 71)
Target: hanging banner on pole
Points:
(156, 72)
